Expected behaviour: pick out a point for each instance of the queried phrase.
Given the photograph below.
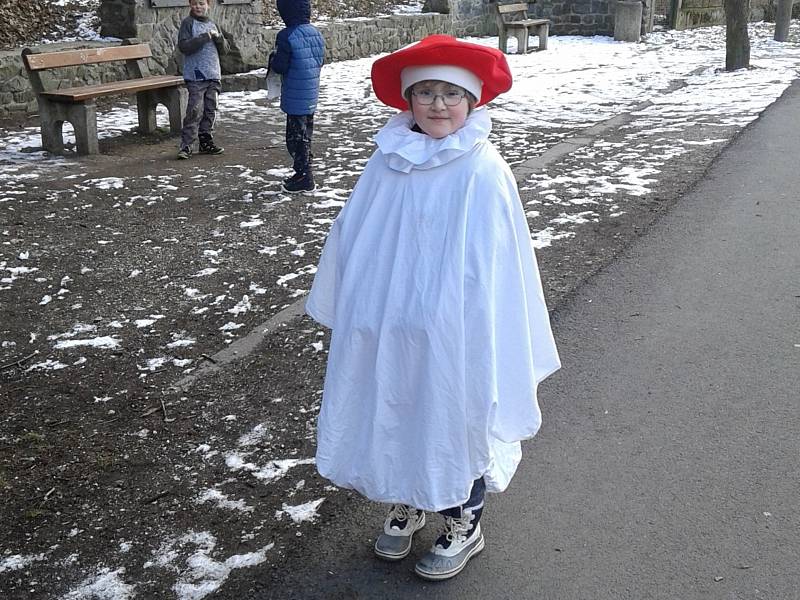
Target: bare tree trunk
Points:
(737, 42)
(769, 11)
(783, 14)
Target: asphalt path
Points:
(668, 466)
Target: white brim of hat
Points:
(448, 73)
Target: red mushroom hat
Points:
(481, 70)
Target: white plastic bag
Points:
(274, 80)
(273, 85)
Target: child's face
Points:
(439, 119)
(199, 8)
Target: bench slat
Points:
(526, 23)
(71, 58)
(506, 8)
(131, 86)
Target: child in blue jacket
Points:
(298, 57)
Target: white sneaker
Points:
(398, 530)
(452, 550)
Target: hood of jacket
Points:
(295, 12)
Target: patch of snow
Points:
(104, 342)
(17, 562)
(104, 585)
(302, 512)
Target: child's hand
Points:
(215, 35)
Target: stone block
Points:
(144, 31)
(437, 6)
(31, 106)
(627, 20)
(24, 97)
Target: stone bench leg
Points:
(51, 123)
(83, 118)
(146, 109)
(543, 31)
(85, 124)
(521, 33)
(503, 41)
(174, 98)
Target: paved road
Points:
(668, 466)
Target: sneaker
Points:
(398, 529)
(184, 153)
(210, 147)
(452, 550)
(303, 184)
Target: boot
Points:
(293, 178)
(460, 540)
(207, 145)
(400, 526)
(304, 183)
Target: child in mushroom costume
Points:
(440, 333)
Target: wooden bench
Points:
(513, 19)
(76, 105)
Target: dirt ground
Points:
(104, 461)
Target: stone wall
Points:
(702, 13)
(350, 39)
(251, 41)
(16, 95)
(240, 23)
(576, 17)
(699, 13)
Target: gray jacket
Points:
(200, 50)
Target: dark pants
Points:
(474, 503)
(201, 111)
(299, 129)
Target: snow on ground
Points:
(557, 94)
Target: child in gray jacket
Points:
(201, 43)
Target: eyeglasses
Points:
(427, 97)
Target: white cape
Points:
(440, 331)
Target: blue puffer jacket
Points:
(299, 54)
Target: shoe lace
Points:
(401, 512)
(456, 529)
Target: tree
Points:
(783, 14)
(737, 42)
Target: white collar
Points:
(405, 149)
